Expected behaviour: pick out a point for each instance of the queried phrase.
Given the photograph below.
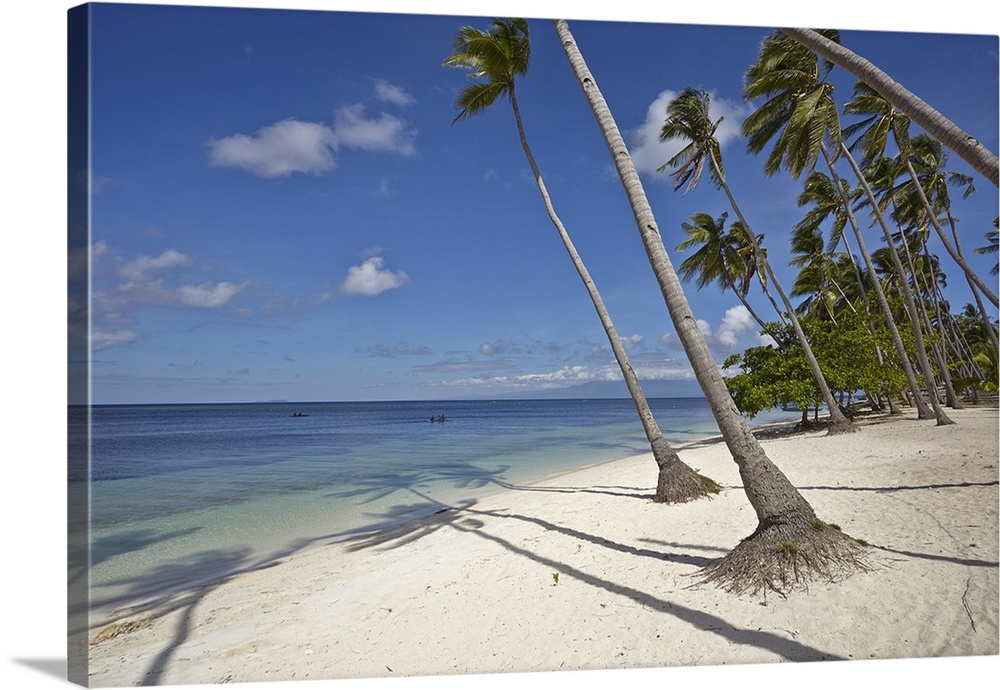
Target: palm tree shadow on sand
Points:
(467, 519)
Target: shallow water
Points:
(186, 493)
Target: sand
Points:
(583, 571)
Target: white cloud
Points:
(206, 296)
(735, 322)
(628, 342)
(138, 269)
(278, 150)
(648, 153)
(137, 284)
(101, 340)
(631, 341)
(370, 278)
(492, 348)
(386, 132)
(663, 370)
(765, 339)
(391, 93)
(294, 146)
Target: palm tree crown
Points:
(880, 120)
(496, 56)
(688, 118)
(799, 109)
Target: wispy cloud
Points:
(563, 377)
(390, 93)
(371, 278)
(628, 342)
(400, 350)
(294, 146)
(129, 286)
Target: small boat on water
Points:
(300, 414)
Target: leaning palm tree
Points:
(879, 119)
(938, 126)
(784, 517)
(817, 277)
(720, 258)
(798, 116)
(688, 118)
(495, 58)
(826, 204)
(829, 199)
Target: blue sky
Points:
(283, 209)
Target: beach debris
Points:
(965, 603)
(120, 628)
(555, 578)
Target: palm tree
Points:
(938, 126)
(688, 118)
(721, 258)
(495, 58)
(783, 515)
(817, 276)
(800, 113)
(882, 118)
(826, 203)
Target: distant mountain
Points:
(610, 389)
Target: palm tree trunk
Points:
(923, 411)
(784, 516)
(940, 351)
(987, 324)
(777, 309)
(904, 285)
(938, 126)
(676, 481)
(779, 498)
(839, 423)
(955, 254)
(893, 408)
(746, 304)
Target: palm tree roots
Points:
(678, 483)
(786, 557)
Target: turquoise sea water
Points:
(182, 494)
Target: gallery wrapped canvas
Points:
(425, 346)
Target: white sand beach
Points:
(583, 571)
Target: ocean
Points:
(184, 494)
